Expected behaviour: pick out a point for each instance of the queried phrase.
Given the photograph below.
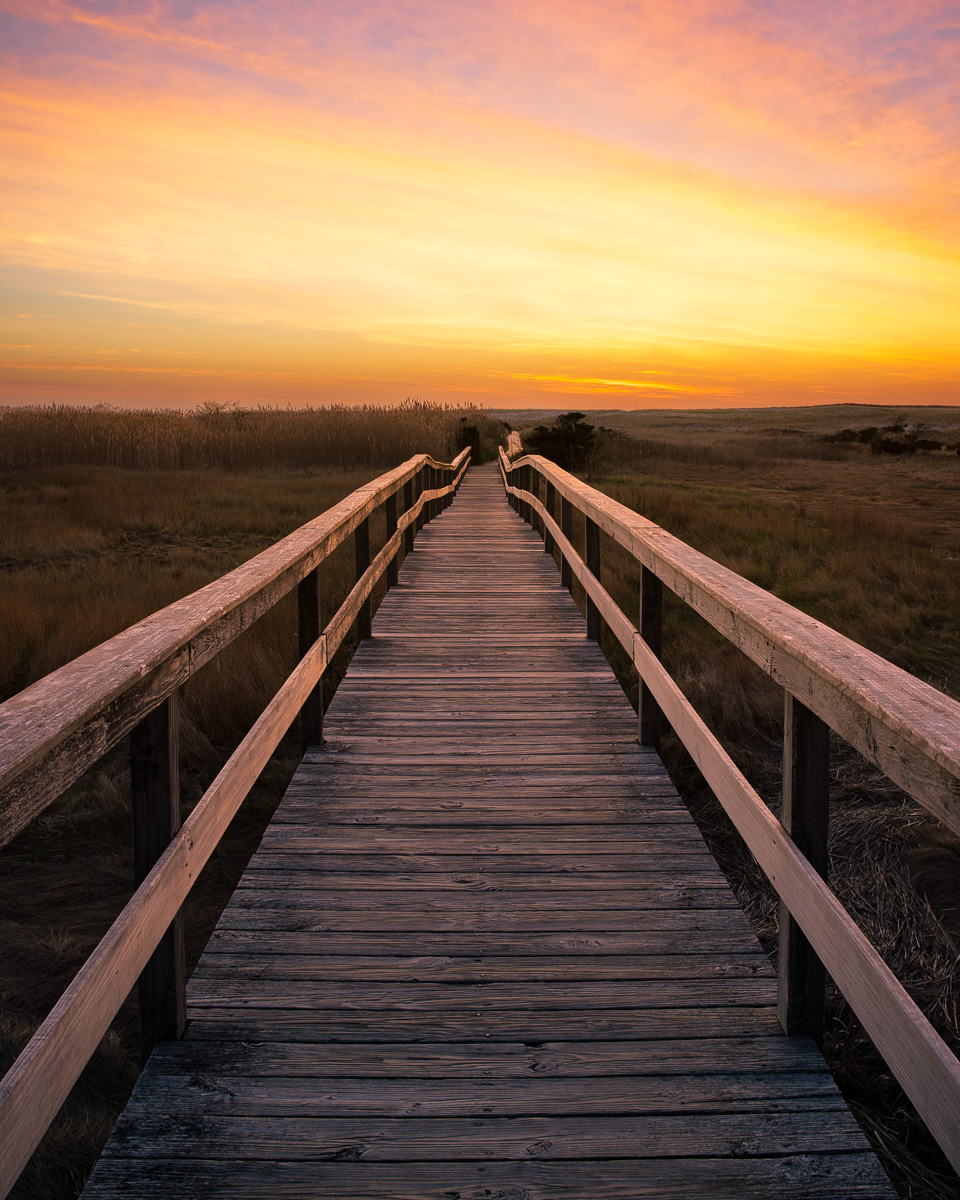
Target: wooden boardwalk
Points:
(482, 950)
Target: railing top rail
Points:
(146, 662)
(905, 726)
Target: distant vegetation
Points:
(894, 438)
(232, 438)
(570, 442)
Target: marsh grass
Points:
(871, 547)
(233, 439)
(104, 518)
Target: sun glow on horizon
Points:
(202, 201)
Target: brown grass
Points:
(232, 438)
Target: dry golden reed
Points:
(232, 438)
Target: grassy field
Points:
(89, 547)
(105, 517)
(868, 542)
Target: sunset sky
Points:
(540, 202)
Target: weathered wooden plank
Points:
(205, 1135)
(453, 813)
(545, 1025)
(304, 916)
(331, 1096)
(292, 848)
(733, 938)
(841, 1176)
(487, 1059)
(485, 969)
(261, 874)
(259, 892)
(495, 997)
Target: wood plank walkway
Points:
(482, 950)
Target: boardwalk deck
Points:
(482, 950)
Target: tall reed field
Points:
(869, 543)
(105, 517)
(231, 438)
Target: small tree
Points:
(569, 442)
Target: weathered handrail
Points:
(105, 693)
(58, 727)
(907, 728)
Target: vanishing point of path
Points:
(482, 950)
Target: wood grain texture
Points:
(482, 950)
(842, 1176)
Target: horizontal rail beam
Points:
(51, 732)
(907, 728)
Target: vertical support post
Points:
(410, 531)
(155, 797)
(592, 558)
(551, 503)
(525, 484)
(512, 479)
(390, 507)
(308, 630)
(535, 522)
(566, 528)
(418, 492)
(361, 542)
(806, 795)
(651, 630)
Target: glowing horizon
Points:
(525, 207)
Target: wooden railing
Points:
(908, 729)
(57, 728)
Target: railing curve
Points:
(907, 728)
(54, 730)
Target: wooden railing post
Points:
(390, 506)
(651, 630)
(566, 528)
(308, 630)
(361, 541)
(551, 504)
(805, 816)
(417, 493)
(155, 798)
(592, 557)
(409, 532)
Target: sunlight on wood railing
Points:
(905, 727)
(54, 730)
